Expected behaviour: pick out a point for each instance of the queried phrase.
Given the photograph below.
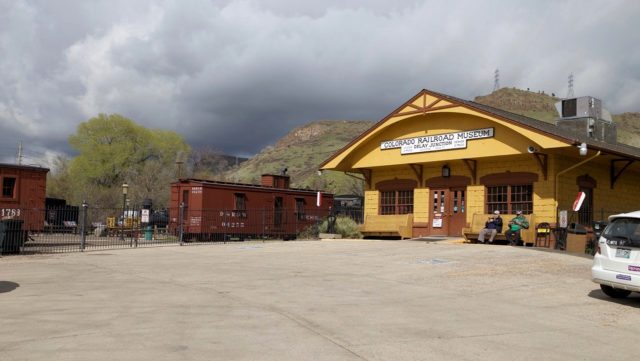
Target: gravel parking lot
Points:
(311, 300)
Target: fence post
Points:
(180, 223)
(83, 226)
(135, 233)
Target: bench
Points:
(528, 236)
(388, 225)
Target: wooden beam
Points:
(366, 173)
(616, 174)
(473, 168)
(426, 110)
(418, 170)
(543, 163)
(354, 176)
(433, 103)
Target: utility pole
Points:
(496, 80)
(19, 156)
(179, 162)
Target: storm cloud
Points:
(238, 75)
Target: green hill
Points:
(628, 128)
(301, 152)
(540, 106)
(305, 147)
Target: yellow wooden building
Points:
(437, 160)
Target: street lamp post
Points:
(125, 189)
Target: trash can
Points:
(11, 236)
(576, 238)
(148, 233)
(598, 228)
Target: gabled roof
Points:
(548, 129)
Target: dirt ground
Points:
(311, 300)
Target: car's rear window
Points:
(623, 232)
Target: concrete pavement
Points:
(311, 300)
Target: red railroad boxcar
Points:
(23, 189)
(215, 210)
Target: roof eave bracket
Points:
(543, 163)
(473, 168)
(615, 174)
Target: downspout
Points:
(555, 184)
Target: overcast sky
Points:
(238, 75)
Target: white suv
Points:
(616, 265)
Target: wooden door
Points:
(448, 211)
(457, 211)
(438, 212)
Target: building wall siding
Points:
(421, 205)
(606, 201)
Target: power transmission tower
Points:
(570, 88)
(496, 80)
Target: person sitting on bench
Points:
(492, 226)
(515, 225)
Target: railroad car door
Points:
(277, 212)
(185, 201)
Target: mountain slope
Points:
(628, 128)
(300, 152)
(534, 105)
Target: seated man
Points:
(492, 226)
(515, 225)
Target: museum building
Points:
(437, 160)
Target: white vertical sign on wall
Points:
(563, 219)
(319, 199)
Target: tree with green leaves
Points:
(113, 150)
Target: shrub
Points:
(345, 226)
(310, 232)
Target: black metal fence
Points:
(75, 229)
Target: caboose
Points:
(23, 194)
(212, 210)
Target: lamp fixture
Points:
(125, 188)
(583, 149)
(446, 171)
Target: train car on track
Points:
(23, 192)
(213, 210)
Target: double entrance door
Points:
(447, 211)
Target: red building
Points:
(221, 210)
(23, 190)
